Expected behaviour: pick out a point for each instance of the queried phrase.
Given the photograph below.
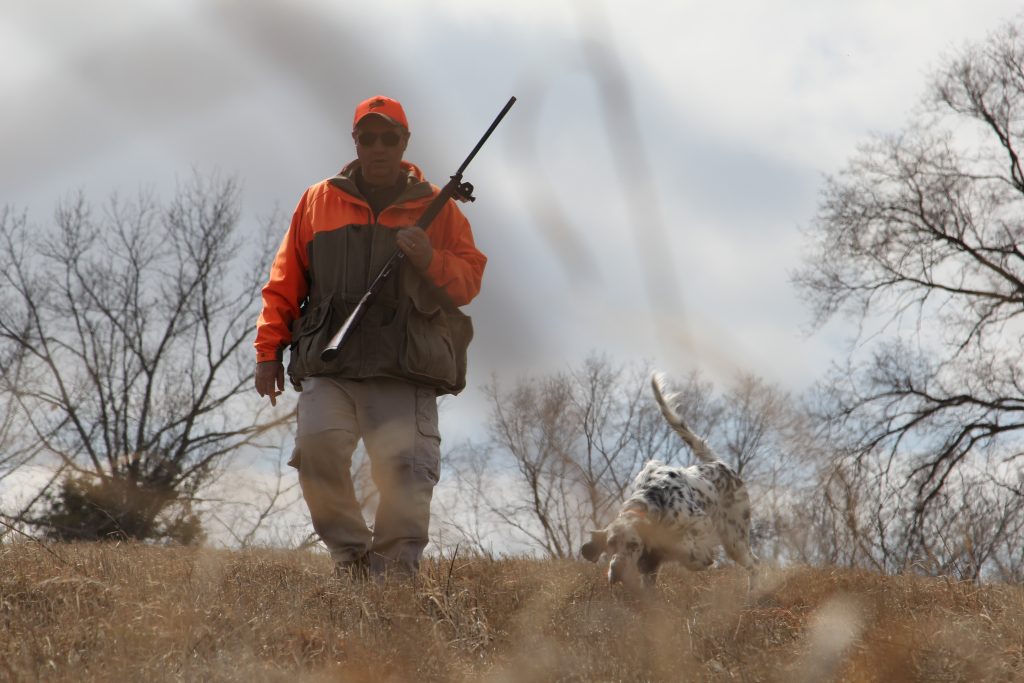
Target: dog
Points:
(680, 514)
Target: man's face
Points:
(380, 161)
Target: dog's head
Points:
(623, 542)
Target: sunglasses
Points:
(390, 139)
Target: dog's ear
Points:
(592, 549)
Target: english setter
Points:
(677, 514)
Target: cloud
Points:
(19, 487)
(741, 108)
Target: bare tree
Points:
(861, 518)
(752, 426)
(1007, 560)
(975, 529)
(134, 324)
(254, 505)
(534, 425)
(759, 432)
(461, 515)
(16, 445)
(919, 239)
(564, 449)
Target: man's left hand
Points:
(415, 244)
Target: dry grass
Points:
(128, 612)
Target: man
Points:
(409, 347)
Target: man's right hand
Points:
(270, 379)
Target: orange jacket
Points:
(457, 266)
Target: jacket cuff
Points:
(262, 356)
(436, 267)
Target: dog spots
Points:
(689, 512)
(683, 514)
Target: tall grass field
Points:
(146, 613)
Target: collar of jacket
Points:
(417, 186)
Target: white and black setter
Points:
(679, 514)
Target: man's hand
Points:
(415, 244)
(270, 379)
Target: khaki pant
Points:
(398, 424)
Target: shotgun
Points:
(454, 189)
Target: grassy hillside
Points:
(133, 613)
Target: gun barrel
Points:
(494, 124)
(333, 348)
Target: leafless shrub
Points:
(131, 327)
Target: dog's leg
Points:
(693, 544)
(741, 555)
(648, 566)
(739, 550)
(696, 553)
(735, 533)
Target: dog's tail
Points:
(675, 419)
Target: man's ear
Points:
(592, 549)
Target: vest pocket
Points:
(309, 336)
(428, 354)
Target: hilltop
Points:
(134, 612)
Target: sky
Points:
(644, 198)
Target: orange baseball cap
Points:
(381, 106)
